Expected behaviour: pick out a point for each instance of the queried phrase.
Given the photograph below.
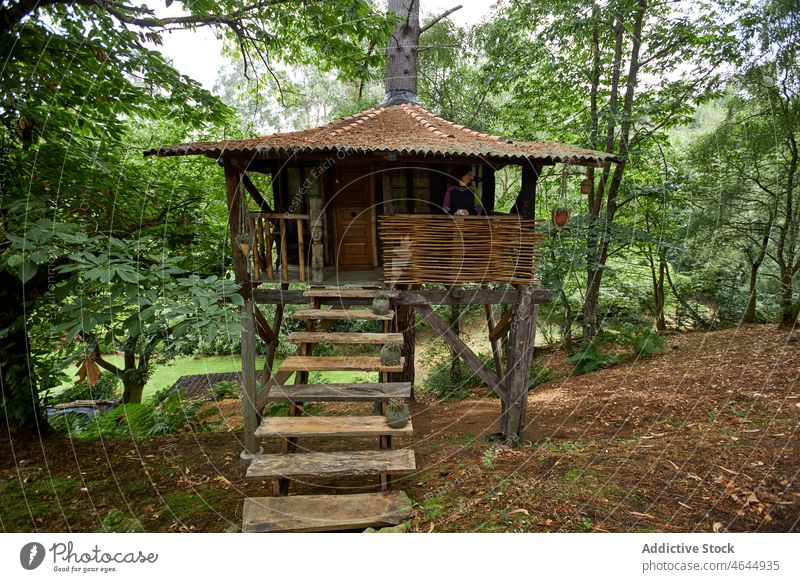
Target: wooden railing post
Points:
(236, 214)
(249, 411)
(268, 248)
(284, 251)
(301, 250)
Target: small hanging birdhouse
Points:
(586, 186)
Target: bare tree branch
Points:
(442, 16)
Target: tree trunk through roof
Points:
(402, 54)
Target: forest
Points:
(113, 266)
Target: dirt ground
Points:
(701, 438)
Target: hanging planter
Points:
(560, 214)
(586, 186)
(561, 217)
(397, 413)
(390, 354)
(245, 242)
(380, 304)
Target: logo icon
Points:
(31, 555)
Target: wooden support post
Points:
(488, 193)
(520, 353)
(386, 193)
(249, 412)
(404, 323)
(236, 210)
(526, 201)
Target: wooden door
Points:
(354, 220)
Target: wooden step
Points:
(345, 314)
(340, 392)
(311, 513)
(348, 293)
(337, 363)
(337, 337)
(319, 426)
(339, 464)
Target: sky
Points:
(197, 53)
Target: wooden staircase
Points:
(307, 513)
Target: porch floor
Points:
(331, 277)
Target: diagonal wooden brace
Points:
(463, 350)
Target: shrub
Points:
(539, 374)
(645, 342)
(107, 388)
(440, 382)
(589, 358)
(227, 389)
(169, 415)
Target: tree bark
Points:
(19, 390)
(598, 243)
(402, 53)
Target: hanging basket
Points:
(560, 217)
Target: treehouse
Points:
(357, 209)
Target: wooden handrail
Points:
(262, 225)
(276, 215)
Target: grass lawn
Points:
(189, 365)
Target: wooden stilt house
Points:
(358, 207)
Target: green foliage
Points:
(116, 521)
(227, 389)
(487, 458)
(439, 380)
(107, 388)
(82, 94)
(539, 374)
(646, 342)
(282, 409)
(589, 358)
(168, 416)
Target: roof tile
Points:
(403, 129)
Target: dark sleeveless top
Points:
(462, 198)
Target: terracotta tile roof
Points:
(400, 129)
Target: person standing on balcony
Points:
(462, 198)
